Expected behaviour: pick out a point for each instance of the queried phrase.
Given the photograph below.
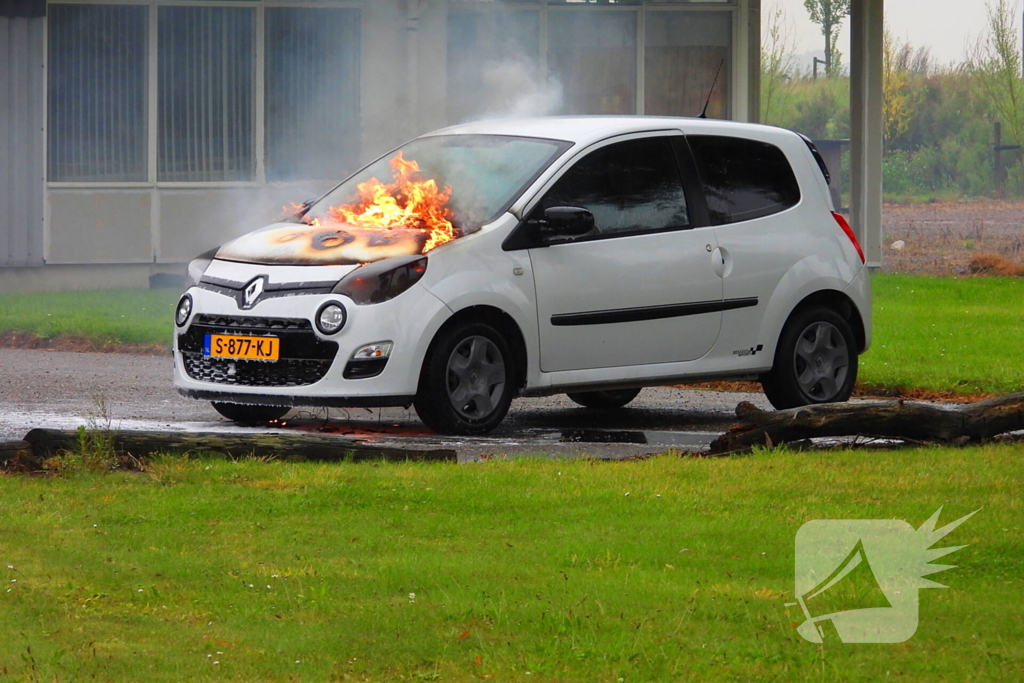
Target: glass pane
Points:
(493, 65)
(97, 93)
(312, 93)
(486, 173)
(205, 94)
(630, 187)
(743, 179)
(593, 53)
(684, 52)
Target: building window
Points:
(97, 93)
(494, 64)
(312, 92)
(205, 92)
(594, 55)
(683, 52)
(588, 57)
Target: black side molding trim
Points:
(631, 315)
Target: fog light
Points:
(368, 361)
(331, 318)
(183, 311)
(375, 350)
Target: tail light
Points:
(849, 233)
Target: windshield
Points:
(470, 179)
(431, 191)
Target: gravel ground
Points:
(63, 390)
(941, 238)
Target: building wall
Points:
(22, 181)
(150, 218)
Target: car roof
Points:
(585, 129)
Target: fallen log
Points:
(291, 447)
(971, 422)
(16, 456)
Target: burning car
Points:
(591, 256)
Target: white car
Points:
(590, 256)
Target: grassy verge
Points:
(119, 316)
(947, 334)
(943, 334)
(664, 569)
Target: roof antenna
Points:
(704, 112)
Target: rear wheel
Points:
(250, 415)
(604, 399)
(816, 361)
(467, 382)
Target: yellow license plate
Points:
(232, 346)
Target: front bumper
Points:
(312, 366)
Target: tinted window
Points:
(743, 179)
(630, 187)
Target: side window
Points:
(743, 179)
(630, 187)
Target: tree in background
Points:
(995, 62)
(900, 98)
(829, 14)
(777, 47)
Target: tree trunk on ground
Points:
(291, 446)
(890, 419)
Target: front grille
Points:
(255, 373)
(239, 323)
(305, 358)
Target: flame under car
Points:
(591, 256)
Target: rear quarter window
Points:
(743, 179)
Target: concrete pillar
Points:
(753, 14)
(866, 49)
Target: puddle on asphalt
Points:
(602, 436)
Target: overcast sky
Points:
(945, 26)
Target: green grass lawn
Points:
(118, 316)
(945, 334)
(663, 569)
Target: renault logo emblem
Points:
(252, 292)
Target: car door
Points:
(750, 186)
(640, 288)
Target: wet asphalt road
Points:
(64, 390)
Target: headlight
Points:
(382, 281)
(331, 317)
(198, 266)
(183, 311)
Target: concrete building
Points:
(136, 134)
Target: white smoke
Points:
(516, 89)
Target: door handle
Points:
(721, 262)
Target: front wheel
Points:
(467, 381)
(250, 415)
(604, 399)
(816, 361)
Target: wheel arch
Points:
(841, 304)
(499, 320)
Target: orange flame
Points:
(404, 203)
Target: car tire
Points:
(250, 415)
(815, 362)
(604, 399)
(467, 381)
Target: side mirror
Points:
(566, 221)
